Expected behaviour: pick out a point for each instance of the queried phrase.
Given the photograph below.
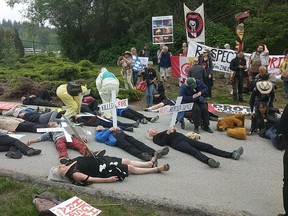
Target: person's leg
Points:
(143, 164)
(77, 145)
(185, 147)
(5, 143)
(135, 77)
(147, 97)
(48, 117)
(130, 115)
(140, 171)
(252, 101)
(196, 115)
(155, 107)
(126, 146)
(150, 94)
(31, 127)
(234, 89)
(139, 145)
(60, 145)
(204, 114)
(240, 90)
(129, 78)
(205, 147)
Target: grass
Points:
(16, 200)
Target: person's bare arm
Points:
(78, 176)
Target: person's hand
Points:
(112, 129)
(198, 94)
(157, 95)
(209, 76)
(112, 179)
(29, 142)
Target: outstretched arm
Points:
(78, 176)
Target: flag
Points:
(180, 66)
(194, 24)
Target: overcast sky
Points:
(8, 13)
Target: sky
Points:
(13, 14)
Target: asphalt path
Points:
(250, 186)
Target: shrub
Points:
(86, 64)
(69, 73)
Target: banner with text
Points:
(223, 57)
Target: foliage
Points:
(41, 71)
(16, 199)
(11, 47)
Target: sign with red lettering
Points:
(74, 206)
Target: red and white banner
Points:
(228, 108)
(194, 24)
(180, 67)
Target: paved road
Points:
(250, 186)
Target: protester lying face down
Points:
(105, 169)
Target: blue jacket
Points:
(187, 92)
(105, 136)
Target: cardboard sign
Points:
(74, 206)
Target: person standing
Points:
(165, 65)
(284, 74)
(196, 71)
(125, 62)
(136, 65)
(145, 52)
(238, 66)
(206, 61)
(149, 75)
(106, 82)
(258, 58)
(72, 103)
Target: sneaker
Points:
(154, 119)
(237, 153)
(213, 163)
(145, 156)
(32, 152)
(64, 160)
(100, 153)
(144, 121)
(196, 130)
(136, 124)
(161, 152)
(208, 129)
(14, 154)
(147, 109)
(130, 129)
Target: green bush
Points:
(86, 64)
(68, 72)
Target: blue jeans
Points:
(149, 94)
(135, 77)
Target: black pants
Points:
(194, 148)
(285, 179)
(237, 87)
(133, 146)
(134, 115)
(31, 127)
(209, 82)
(90, 108)
(200, 114)
(6, 142)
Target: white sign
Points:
(74, 206)
(223, 57)
(182, 107)
(45, 130)
(162, 30)
(122, 103)
(106, 106)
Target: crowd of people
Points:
(266, 120)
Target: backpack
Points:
(141, 86)
(74, 88)
(44, 201)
